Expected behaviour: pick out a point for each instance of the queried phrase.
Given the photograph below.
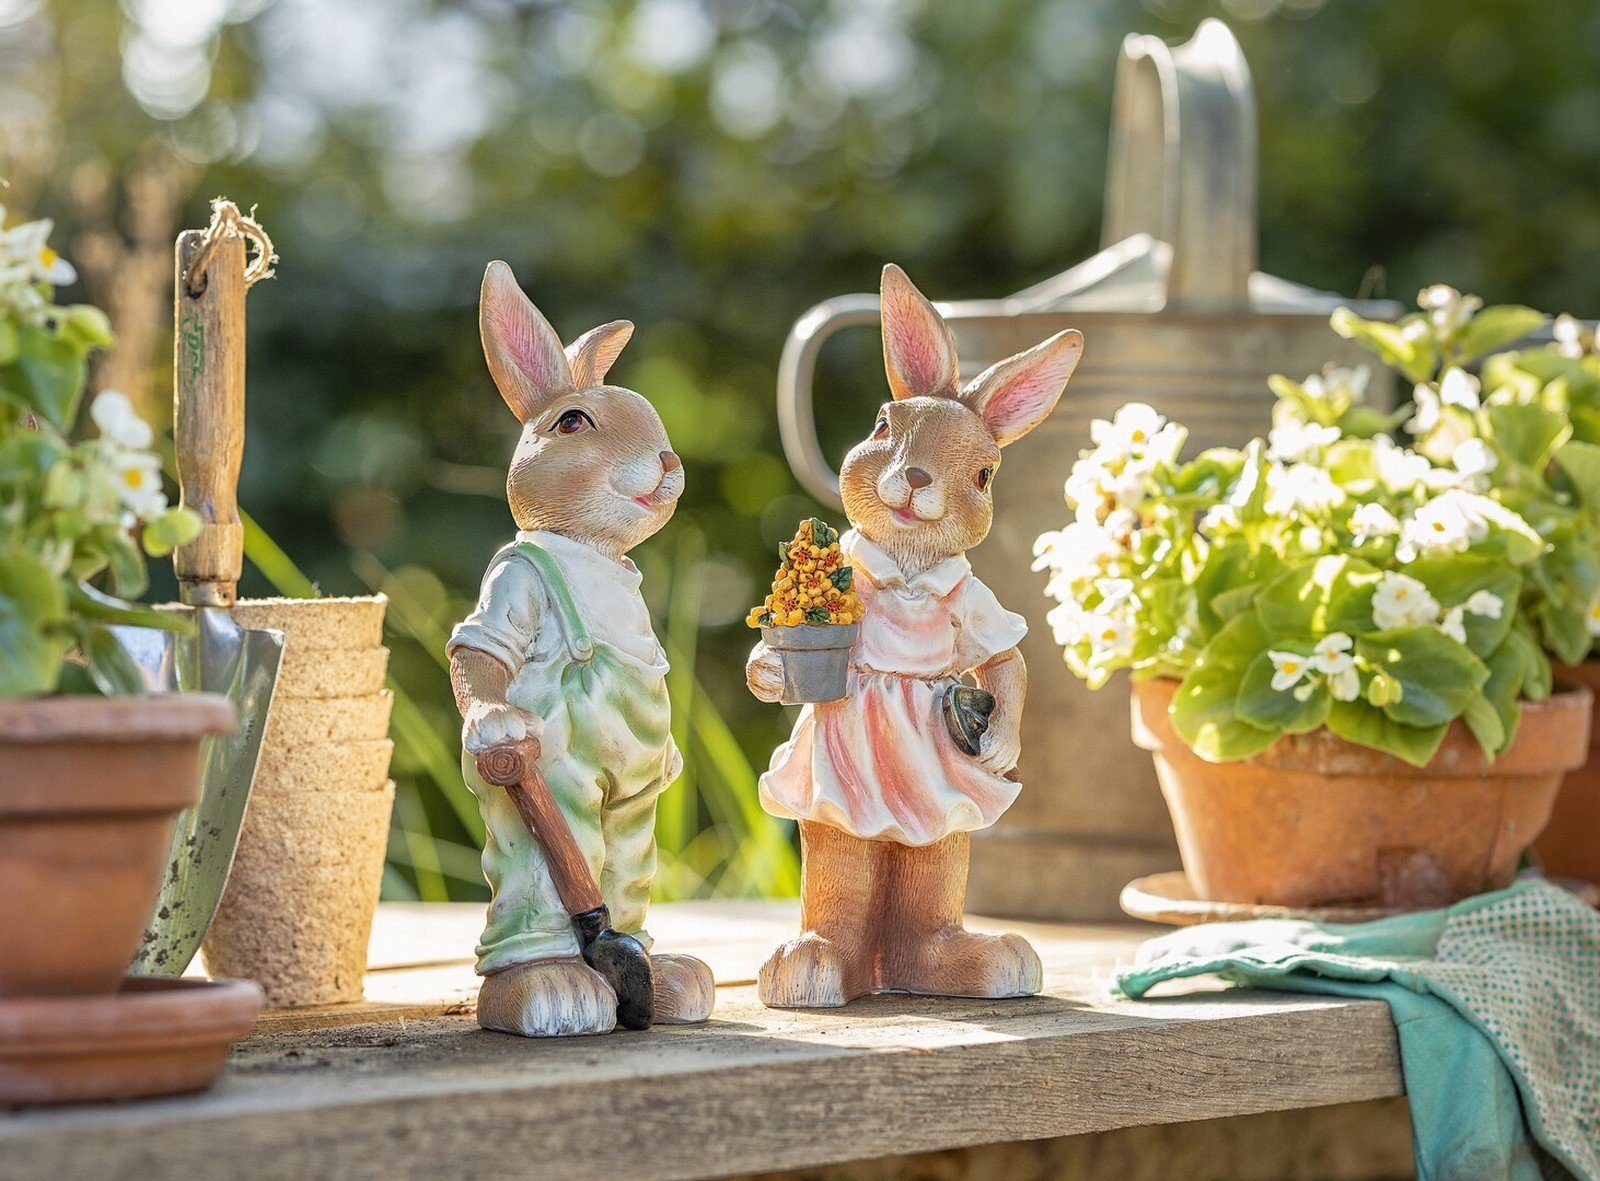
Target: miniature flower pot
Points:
(1316, 820)
(815, 659)
(89, 790)
(297, 911)
(1570, 846)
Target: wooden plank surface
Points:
(406, 1084)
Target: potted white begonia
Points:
(1336, 653)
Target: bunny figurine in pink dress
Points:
(881, 782)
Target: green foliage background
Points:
(710, 169)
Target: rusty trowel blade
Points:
(221, 657)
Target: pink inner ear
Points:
(540, 360)
(1017, 394)
(916, 352)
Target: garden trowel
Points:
(219, 657)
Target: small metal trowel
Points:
(220, 657)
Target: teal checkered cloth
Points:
(1496, 1001)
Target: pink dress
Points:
(881, 764)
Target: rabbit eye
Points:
(572, 422)
(985, 474)
(882, 427)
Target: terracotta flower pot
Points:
(1570, 846)
(1319, 821)
(89, 790)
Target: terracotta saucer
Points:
(153, 1037)
(1169, 898)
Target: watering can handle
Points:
(797, 367)
(208, 347)
(1182, 164)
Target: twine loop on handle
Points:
(227, 220)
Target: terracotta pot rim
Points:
(152, 1010)
(156, 717)
(1544, 724)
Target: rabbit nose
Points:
(669, 461)
(917, 478)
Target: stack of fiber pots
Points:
(297, 911)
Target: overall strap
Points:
(572, 626)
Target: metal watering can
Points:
(1174, 313)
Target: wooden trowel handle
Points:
(515, 767)
(208, 348)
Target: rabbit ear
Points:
(1014, 396)
(592, 354)
(523, 351)
(919, 353)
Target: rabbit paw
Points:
(763, 672)
(998, 751)
(494, 723)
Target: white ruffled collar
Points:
(874, 561)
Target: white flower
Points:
(138, 480)
(1440, 526)
(1219, 517)
(1400, 468)
(1321, 386)
(1459, 388)
(1310, 538)
(1069, 623)
(1447, 308)
(1572, 338)
(1474, 458)
(1110, 636)
(1130, 430)
(1373, 520)
(1292, 442)
(1454, 624)
(1288, 670)
(1402, 601)
(1113, 591)
(1594, 618)
(1074, 552)
(1299, 488)
(28, 247)
(1426, 399)
(1485, 603)
(118, 422)
(1331, 657)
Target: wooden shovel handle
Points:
(208, 346)
(515, 767)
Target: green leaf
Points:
(1413, 355)
(1494, 328)
(168, 531)
(87, 327)
(1204, 710)
(46, 377)
(97, 605)
(32, 606)
(1565, 631)
(1329, 594)
(1365, 726)
(10, 341)
(113, 671)
(1527, 434)
(1436, 674)
(842, 578)
(1507, 670)
(1455, 578)
(816, 615)
(1581, 463)
(1279, 711)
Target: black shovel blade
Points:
(625, 964)
(623, 961)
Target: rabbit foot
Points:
(547, 998)
(811, 972)
(685, 990)
(954, 962)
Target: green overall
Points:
(606, 753)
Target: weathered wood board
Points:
(406, 1084)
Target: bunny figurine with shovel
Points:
(561, 684)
